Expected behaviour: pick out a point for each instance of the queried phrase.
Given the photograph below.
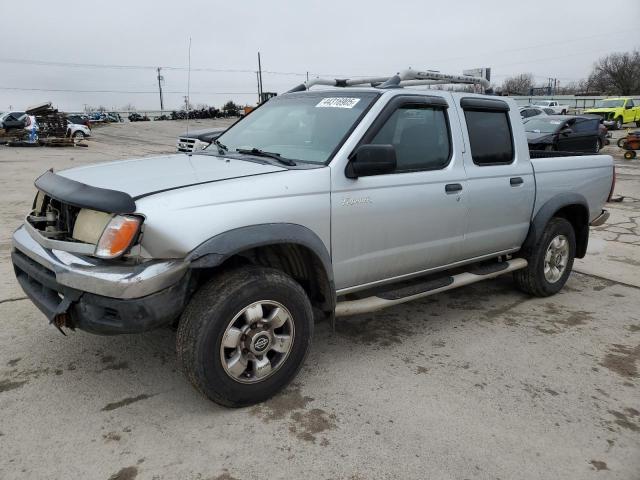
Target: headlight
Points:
(118, 236)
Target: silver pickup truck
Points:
(320, 203)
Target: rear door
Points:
(411, 220)
(500, 183)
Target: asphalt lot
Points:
(483, 382)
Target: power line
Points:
(542, 45)
(64, 90)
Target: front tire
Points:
(244, 335)
(550, 260)
(78, 135)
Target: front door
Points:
(388, 226)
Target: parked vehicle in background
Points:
(548, 111)
(13, 120)
(197, 140)
(553, 105)
(79, 120)
(565, 133)
(615, 112)
(77, 131)
(245, 243)
(528, 112)
(136, 117)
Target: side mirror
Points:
(628, 107)
(371, 160)
(566, 132)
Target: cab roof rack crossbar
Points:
(406, 78)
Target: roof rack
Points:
(407, 78)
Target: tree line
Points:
(614, 74)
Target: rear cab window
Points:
(489, 129)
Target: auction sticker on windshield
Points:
(337, 102)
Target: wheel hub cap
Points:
(257, 341)
(556, 257)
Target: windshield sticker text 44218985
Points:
(337, 102)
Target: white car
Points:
(77, 131)
(552, 104)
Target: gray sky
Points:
(547, 38)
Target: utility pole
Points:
(259, 79)
(160, 79)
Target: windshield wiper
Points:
(222, 148)
(261, 153)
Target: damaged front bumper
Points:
(98, 296)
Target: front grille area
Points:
(52, 218)
(186, 145)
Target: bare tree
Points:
(129, 107)
(518, 85)
(617, 73)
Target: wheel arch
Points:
(574, 208)
(291, 248)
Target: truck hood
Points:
(600, 110)
(144, 176)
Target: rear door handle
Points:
(515, 181)
(453, 188)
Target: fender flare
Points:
(216, 250)
(548, 210)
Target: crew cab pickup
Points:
(318, 204)
(554, 105)
(615, 112)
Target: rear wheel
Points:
(78, 135)
(629, 155)
(244, 335)
(550, 260)
(622, 142)
(598, 145)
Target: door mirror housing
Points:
(628, 107)
(566, 132)
(371, 160)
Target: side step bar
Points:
(407, 294)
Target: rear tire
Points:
(78, 135)
(619, 123)
(550, 260)
(598, 145)
(228, 343)
(629, 155)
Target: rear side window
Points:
(490, 137)
(585, 126)
(420, 136)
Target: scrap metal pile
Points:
(52, 125)
(50, 129)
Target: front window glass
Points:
(420, 136)
(610, 103)
(306, 127)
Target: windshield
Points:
(542, 103)
(610, 104)
(541, 125)
(306, 126)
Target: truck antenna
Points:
(189, 86)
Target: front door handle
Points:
(515, 181)
(453, 188)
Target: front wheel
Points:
(78, 135)
(244, 335)
(550, 260)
